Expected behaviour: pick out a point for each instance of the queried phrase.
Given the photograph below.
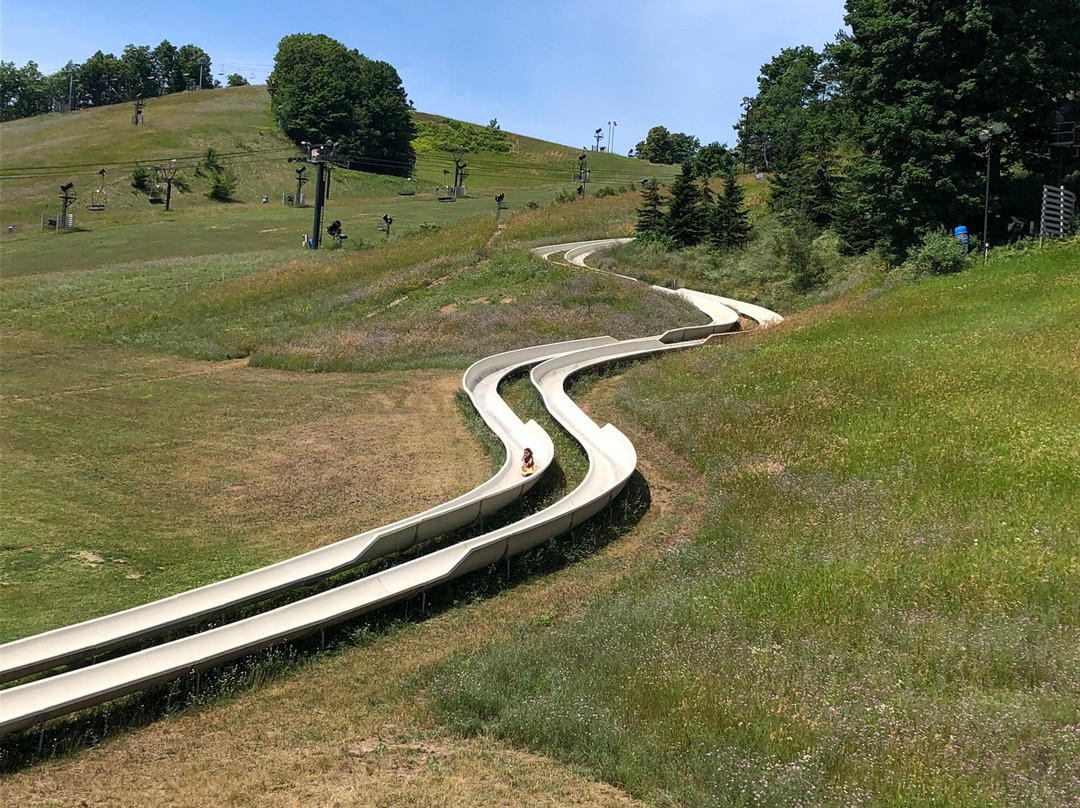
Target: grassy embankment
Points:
(879, 606)
(883, 607)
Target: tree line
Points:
(876, 136)
(139, 72)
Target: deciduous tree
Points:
(323, 92)
(924, 78)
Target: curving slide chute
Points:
(81, 641)
(612, 460)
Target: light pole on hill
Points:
(987, 136)
(71, 85)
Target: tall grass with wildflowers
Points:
(884, 605)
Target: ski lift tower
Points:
(322, 156)
(165, 173)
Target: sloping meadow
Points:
(442, 298)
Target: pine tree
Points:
(650, 216)
(686, 215)
(729, 224)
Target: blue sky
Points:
(553, 70)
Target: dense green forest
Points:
(139, 72)
(914, 120)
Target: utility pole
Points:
(611, 136)
(599, 135)
(167, 173)
(202, 62)
(71, 85)
(316, 222)
(500, 205)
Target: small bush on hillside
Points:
(938, 253)
(794, 245)
(222, 185)
(564, 196)
(449, 135)
(423, 227)
(209, 165)
(142, 179)
(609, 190)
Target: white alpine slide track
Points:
(612, 460)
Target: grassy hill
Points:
(846, 573)
(41, 154)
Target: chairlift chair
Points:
(98, 198)
(157, 195)
(408, 187)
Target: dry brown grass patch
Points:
(345, 731)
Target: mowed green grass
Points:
(129, 476)
(884, 605)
